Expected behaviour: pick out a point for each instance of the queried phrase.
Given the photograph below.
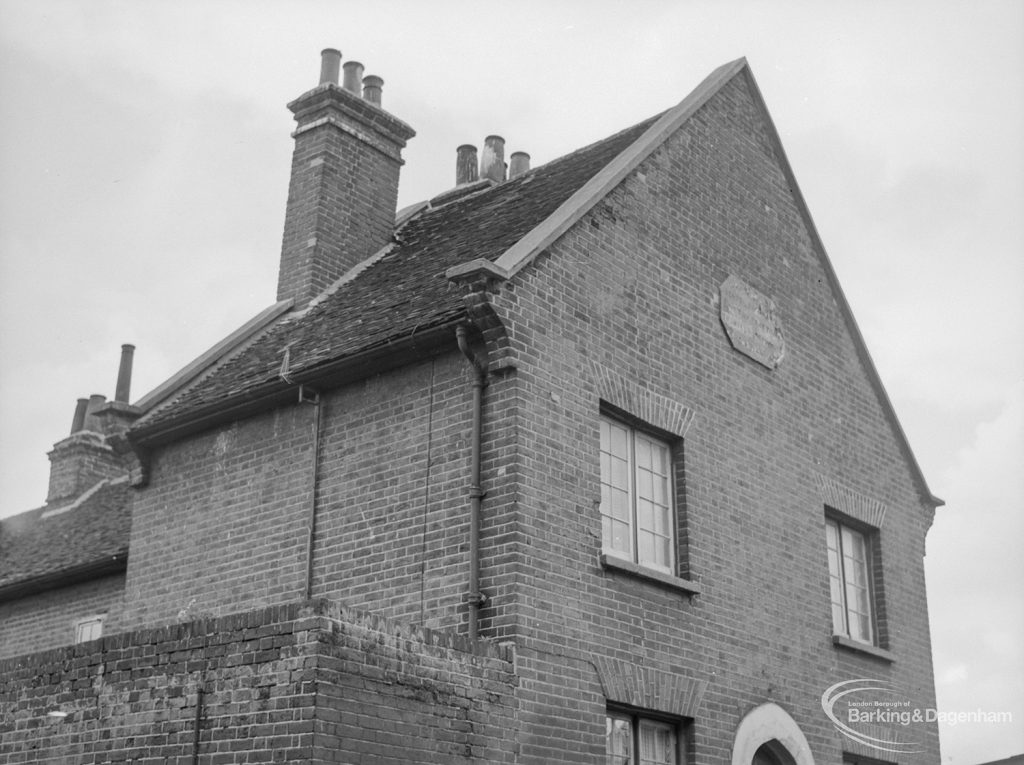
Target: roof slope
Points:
(50, 546)
(404, 289)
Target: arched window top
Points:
(767, 735)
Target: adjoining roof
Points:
(53, 546)
(402, 291)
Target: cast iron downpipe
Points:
(474, 597)
(314, 478)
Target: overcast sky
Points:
(144, 165)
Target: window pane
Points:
(657, 743)
(91, 629)
(636, 505)
(849, 582)
(618, 741)
(835, 577)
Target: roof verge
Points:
(522, 253)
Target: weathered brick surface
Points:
(341, 197)
(79, 462)
(46, 620)
(223, 523)
(631, 294)
(311, 683)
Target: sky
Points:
(144, 162)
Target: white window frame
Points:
(851, 581)
(642, 742)
(89, 628)
(636, 474)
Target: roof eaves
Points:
(860, 345)
(189, 373)
(105, 565)
(522, 253)
(425, 343)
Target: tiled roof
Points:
(405, 291)
(90, 532)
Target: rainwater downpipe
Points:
(313, 398)
(474, 597)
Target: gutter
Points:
(280, 392)
(77, 574)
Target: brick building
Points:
(585, 462)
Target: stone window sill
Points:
(855, 645)
(617, 565)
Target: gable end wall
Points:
(632, 292)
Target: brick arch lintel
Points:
(849, 502)
(649, 688)
(653, 408)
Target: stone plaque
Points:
(750, 322)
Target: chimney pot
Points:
(78, 421)
(492, 161)
(96, 400)
(353, 76)
(465, 164)
(124, 373)
(520, 164)
(372, 85)
(330, 63)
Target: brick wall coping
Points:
(318, 615)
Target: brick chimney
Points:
(344, 184)
(88, 454)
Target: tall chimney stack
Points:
(492, 161)
(343, 190)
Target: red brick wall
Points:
(341, 200)
(221, 525)
(223, 522)
(46, 620)
(631, 294)
(310, 683)
(80, 462)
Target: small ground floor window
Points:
(633, 739)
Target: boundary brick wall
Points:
(624, 310)
(307, 682)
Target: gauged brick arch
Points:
(649, 688)
(653, 408)
(769, 723)
(851, 503)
